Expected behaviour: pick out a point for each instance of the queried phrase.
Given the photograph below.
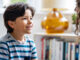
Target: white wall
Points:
(2, 27)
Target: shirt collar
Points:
(10, 37)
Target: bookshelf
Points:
(68, 40)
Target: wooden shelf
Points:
(66, 37)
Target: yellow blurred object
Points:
(54, 22)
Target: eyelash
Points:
(26, 18)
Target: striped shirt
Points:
(11, 49)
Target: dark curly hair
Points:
(13, 11)
(77, 9)
(78, 3)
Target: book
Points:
(76, 51)
(47, 50)
(68, 51)
(53, 42)
(73, 51)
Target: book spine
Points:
(66, 51)
(50, 46)
(53, 49)
(42, 50)
(73, 51)
(63, 50)
(76, 52)
(47, 50)
(79, 51)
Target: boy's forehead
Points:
(28, 12)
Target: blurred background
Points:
(42, 7)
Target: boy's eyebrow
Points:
(27, 16)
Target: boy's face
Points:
(23, 24)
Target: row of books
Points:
(58, 50)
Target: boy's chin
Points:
(28, 32)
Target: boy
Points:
(18, 21)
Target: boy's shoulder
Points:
(5, 38)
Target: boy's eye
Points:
(27, 18)
(24, 18)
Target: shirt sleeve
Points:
(4, 54)
(34, 51)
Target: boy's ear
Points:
(11, 24)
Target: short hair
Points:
(78, 3)
(14, 11)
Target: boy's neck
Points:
(18, 36)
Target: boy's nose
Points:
(29, 21)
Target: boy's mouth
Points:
(29, 27)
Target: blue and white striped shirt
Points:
(11, 49)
